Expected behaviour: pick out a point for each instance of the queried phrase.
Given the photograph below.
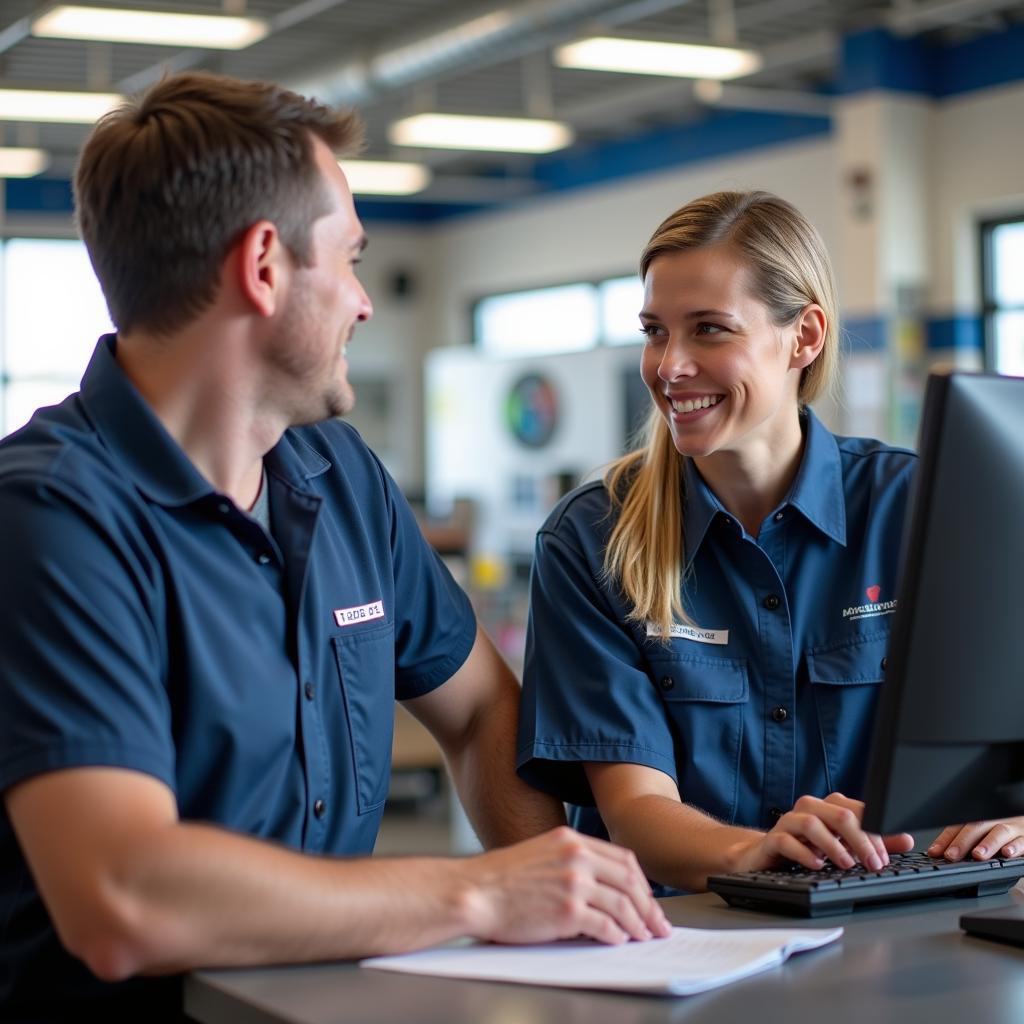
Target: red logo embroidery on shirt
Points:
(874, 593)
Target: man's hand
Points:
(982, 839)
(816, 830)
(560, 885)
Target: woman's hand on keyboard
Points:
(816, 830)
(981, 839)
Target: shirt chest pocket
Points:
(844, 684)
(705, 700)
(366, 667)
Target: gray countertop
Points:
(906, 963)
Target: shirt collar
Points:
(817, 491)
(131, 431)
(151, 457)
(295, 459)
(700, 507)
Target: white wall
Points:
(978, 173)
(391, 346)
(599, 231)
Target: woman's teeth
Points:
(691, 405)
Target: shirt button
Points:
(780, 714)
(666, 682)
(775, 812)
(771, 602)
(309, 691)
(319, 809)
(263, 558)
(885, 663)
(223, 508)
(779, 516)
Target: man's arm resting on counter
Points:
(473, 716)
(133, 890)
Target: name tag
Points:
(701, 636)
(360, 613)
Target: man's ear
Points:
(262, 267)
(810, 330)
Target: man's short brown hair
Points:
(168, 182)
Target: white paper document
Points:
(690, 960)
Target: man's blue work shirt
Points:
(773, 695)
(150, 624)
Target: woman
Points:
(708, 624)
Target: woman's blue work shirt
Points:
(773, 695)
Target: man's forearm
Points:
(193, 895)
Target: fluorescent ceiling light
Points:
(647, 57)
(160, 28)
(68, 107)
(22, 163)
(385, 177)
(500, 134)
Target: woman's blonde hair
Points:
(790, 268)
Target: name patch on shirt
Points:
(360, 613)
(702, 636)
(870, 611)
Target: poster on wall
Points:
(531, 410)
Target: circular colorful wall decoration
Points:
(531, 410)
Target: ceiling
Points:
(395, 57)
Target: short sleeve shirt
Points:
(150, 624)
(771, 694)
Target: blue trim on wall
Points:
(865, 334)
(963, 332)
(383, 211)
(989, 60)
(715, 135)
(876, 59)
(38, 195)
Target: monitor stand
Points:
(1003, 925)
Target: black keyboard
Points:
(831, 890)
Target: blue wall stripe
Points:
(989, 60)
(864, 334)
(871, 333)
(714, 135)
(38, 195)
(955, 332)
(876, 59)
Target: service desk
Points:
(894, 965)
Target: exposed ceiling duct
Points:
(498, 34)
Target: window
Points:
(621, 300)
(562, 318)
(538, 322)
(53, 312)
(1003, 294)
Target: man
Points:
(214, 593)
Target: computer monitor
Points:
(948, 745)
